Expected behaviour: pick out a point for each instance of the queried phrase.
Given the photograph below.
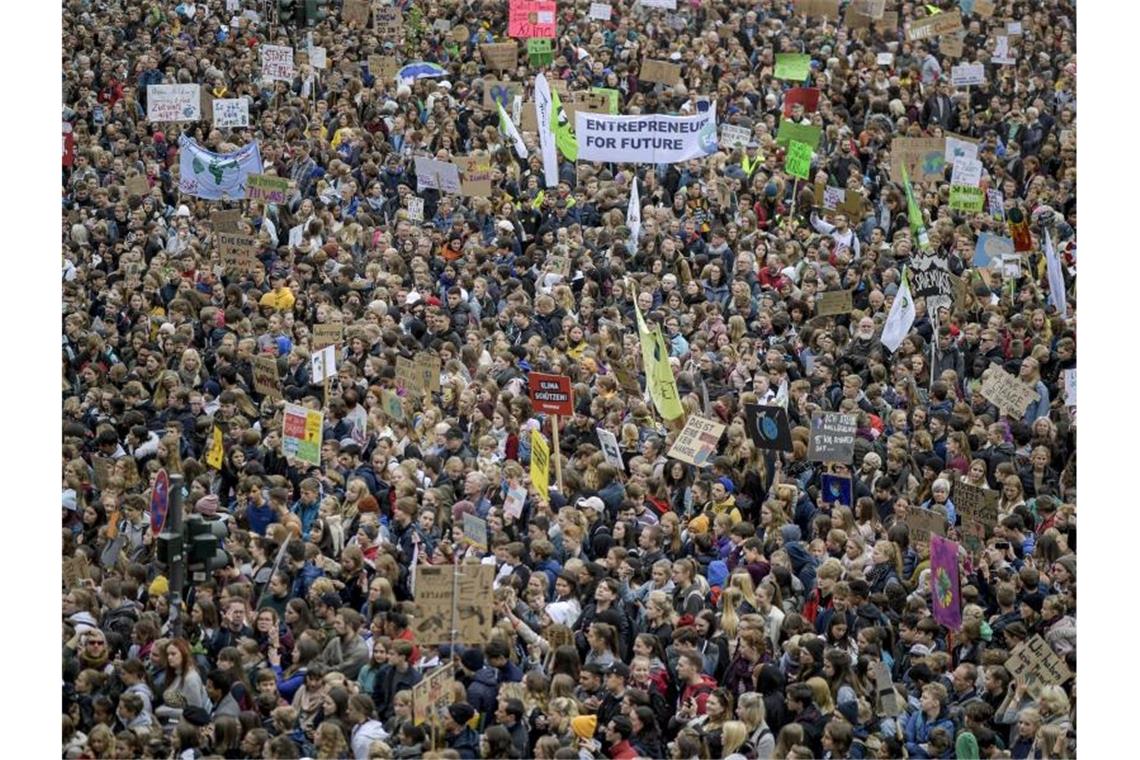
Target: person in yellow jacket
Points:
(279, 297)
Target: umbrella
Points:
(420, 70)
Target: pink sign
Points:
(532, 18)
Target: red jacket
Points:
(699, 692)
(623, 751)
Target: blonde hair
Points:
(733, 735)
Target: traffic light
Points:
(204, 538)
(316, 11)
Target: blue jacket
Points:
(307, 513)
(483, 691)
(918, 729)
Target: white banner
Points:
(231, 112)
(544, 107)
(601, 11)
(667, 4)
(277, 63)
(633, 215)
(653, 139)
(173, 102)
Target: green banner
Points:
(789, 130)
(613, 95)
(798, 160)
(966, 198)
(793, 67)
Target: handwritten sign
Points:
(923, 523)
(732, 136)
(415, 208)
(978, 509)
(356, 12)
(327, 334)
(231, 112)
(798, 160)
(966, 74)
(812, 8)
(610, 447)
(388, 22)
(407, 377)
(924, 158)
(475, 531)
(301, 433)
(514, 502)
(237, 251)
(392, 404)
(267, 188)
(266, 379)
(805, 133)
(428, 367)
(834, 302)
(277, 63)
(383, 66)
(500, 55)
(531, 18)
(1006, 392)
(433, 692)
(601, 11)
(173, 102)
(832, 437)
(1036, 662)
(793, 67)
(226, 220)
(932, 26)
(475, 176)
(663, 72)
(696, 444)
(432, 174)
(966, 198)
(551, 394)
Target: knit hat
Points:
(158, 586)
(207, 505)
(461, 712)
(1034, 600)
(584, 726)
(472, 659)
(196, 716)
(726, 481)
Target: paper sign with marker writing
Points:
(960, 147)
(231, 112)
(601, 11)
(966, 74)
(793, 67)
(531, 18)
(798, 160)
(967, 171)
(173, 102)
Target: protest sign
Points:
(808, 97)
(612, 96)
(888, 698)
(383, 66)
(732, 136)
(388, 22)
(960, 147)
(984, 8)
(514, 502)
(1013, 28)
(832, 437)
(495, 90)
(216, 454)
(930, 278)
(666, 4)
(1070, 376)
(540, 51)
(835, 489)
(356, 12)
(434, 604)
(215, 176)
(433, 693)
(793, 67)
(696, 443)
(415, 208)
(952, 45)
(318, 58)
(301, 432)
(664, 72)
(789, 130)
(173, 102)
(1002, 54)
(531, 18)
(610, 447)
(932, 26)
(797, 162)
(137, 185)
(540, 464)
(277, 63)
(236, 251)
(323, 364)
(266, 379)
(995, 205)
(500, 55)
(437, 175)
(475, 531)
(966, 198)
(1006, 392)
(834, 302)
(475, 609)
(267, 188)
(601, 11)
(811, 8)
(650, 139)
(966, 171)
(551, 394)
(837, 200)
(407, 377)
(978, 510)
(1036, 662)
(474, 176)
(327, 334)
(885, 59)
(990, 249)
(966, 74)
(945, 592)
(924, 158)
(230, 112)
(392, 404)
(768, 427)
(923, 523)
(428, 367)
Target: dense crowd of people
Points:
(645, 608)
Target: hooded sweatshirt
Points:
(803, 564)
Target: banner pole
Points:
(557, 454)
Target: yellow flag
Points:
(540, 464)
(216, 453)
(658, 374)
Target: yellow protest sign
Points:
(216, 454)
(540, 464)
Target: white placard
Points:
(173, 102)
(277, 63)
(318, 58)
(732, 136)
(833, 197)
(1070, 386)
(416, 208)
(1001, 52)
(967, 74)
(966, 172)
(610, 448)
(1012, 27)
(956, 148)
(231, 112)
(666, 4)
(323, 363)
(436, 175)
(885, 59)
(233, 5)
(601, 11)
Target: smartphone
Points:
(1003, 545)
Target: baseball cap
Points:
(593, 502)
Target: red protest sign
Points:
(531, 18)
(551, 394)
(808, 97)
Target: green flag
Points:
(914, 216)
(659, 380)
(563, 133)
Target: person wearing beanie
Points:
(207, 506)
(482, 682)
(457, 734)
(584, 726)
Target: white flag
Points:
(508, 127)
(901, 317)
(1056, 278)
(633, 215)
(544, 106)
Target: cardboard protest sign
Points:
(1002, 54)
(437, 175)
(832, 437)
(495, 90)
(855, 19)
(355, 12)
(732, 136)
(428, 366)
(327, 334)
(932, 26)
(277, 63)
(551, 394)
(301, 433)
(173, 102)
(531, 18)
(237, 251)
(475, 531)
(540, 464)
(966, 74)
(500, 55)
(383, 66)
(231, 112)
(872, 8)
(696, 444)
(216, 454)
(923, 523)
(835, 489)
(837, 200)
(323, 364)
(663, 72)
(476, 603)
(407, 377)
(388, 22)
(768, 427)
(267, 188)
(812, 8)
(984, 8)
(601, 11)
(610, 447)
(808, 97)
(793, 67)
(433, 693)
(1006, 392)
(960, 147)
(1036, 662)
(797, 162)
(924, 158)
(137, 185)
(474, 176)
(834, 302)
(266, 379)
(789, 130)
(952, 45)
(978, 510)
(434, 605)
(226, 220)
